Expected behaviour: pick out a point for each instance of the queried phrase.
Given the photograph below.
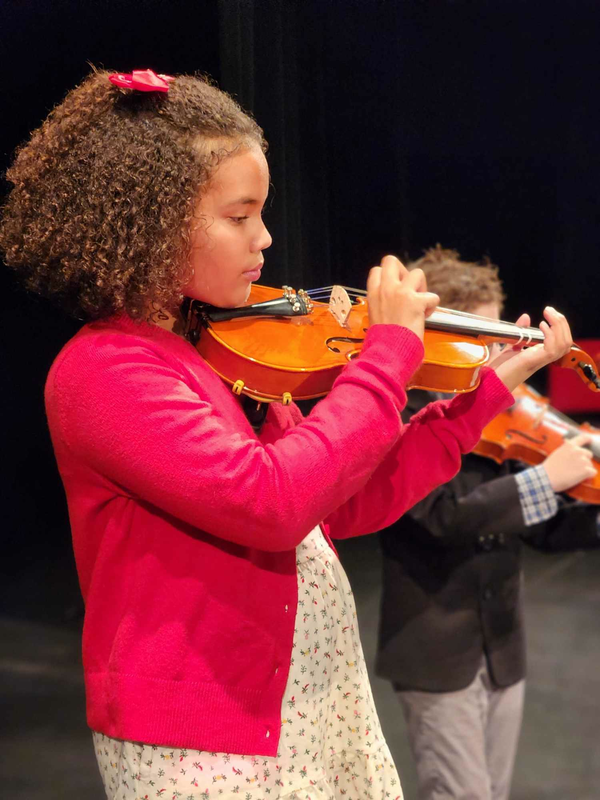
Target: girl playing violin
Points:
(220, 643)
(451, 633)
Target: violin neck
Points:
(460, 322)
(594, 445)
(445, 319)
(563, 424)
(490, 330)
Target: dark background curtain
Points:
(392, 126)
(397, 125)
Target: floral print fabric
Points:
(331, 743)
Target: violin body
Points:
(530, 430)
(299, 357)
(282, 345)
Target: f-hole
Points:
(332, 339)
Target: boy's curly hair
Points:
(99, 217)
(461, 285)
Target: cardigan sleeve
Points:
(121, 409)
(427, 455)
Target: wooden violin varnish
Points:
(284, 345)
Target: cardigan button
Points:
(286, 609)
(268, 733)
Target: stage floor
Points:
(46, 750)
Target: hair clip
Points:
(144, 80)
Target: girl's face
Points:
(228, 240)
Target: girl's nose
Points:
(263, 240)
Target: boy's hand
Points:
(570, 463)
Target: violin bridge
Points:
(340, 305)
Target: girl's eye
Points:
(237, 220)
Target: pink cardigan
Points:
(185, 523)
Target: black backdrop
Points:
(393, 126)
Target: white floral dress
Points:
(331, 743)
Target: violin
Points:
(283, 345)
(530, 430)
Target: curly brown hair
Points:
(461, 285)
(100, 213)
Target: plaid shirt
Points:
(537, 497)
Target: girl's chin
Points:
(231, 301)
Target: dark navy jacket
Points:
(452, 582)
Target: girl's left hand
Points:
(516, 364)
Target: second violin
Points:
(530, 430)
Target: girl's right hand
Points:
(396, 296)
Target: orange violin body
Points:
(530, 430)
(300, 357)
(270, 352)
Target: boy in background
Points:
(451, 634)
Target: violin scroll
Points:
(583, 364)
(530, 430)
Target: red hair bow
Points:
(145, 80)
